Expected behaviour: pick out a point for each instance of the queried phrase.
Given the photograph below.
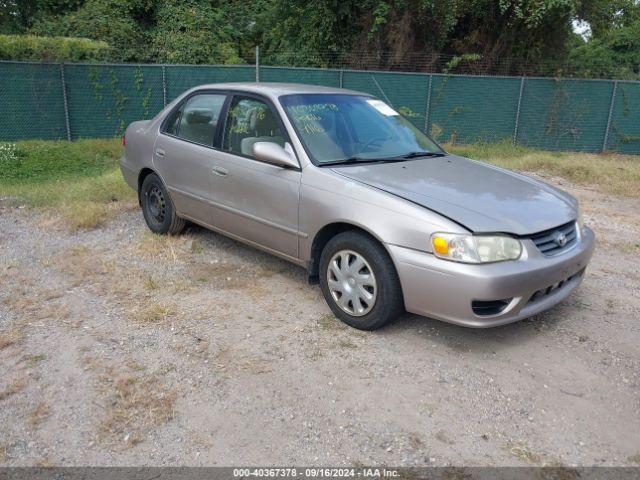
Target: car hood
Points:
(480, 197)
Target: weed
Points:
(16, 386)
(346, 343)
(415, 441)
(150, 283)
(523, 453)
(442, 436)
(39, 414)
(330, 322)
(32, 361)
(155, 313)
(10, 338)
(165, 246)
(135, 405)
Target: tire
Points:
(157, 207)
(375, 275)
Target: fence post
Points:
(515, 127)
(164, 86)
(66, 104)
(613, 101)
(426, 113)
(381, 90)
(257, 64)
(341, 77)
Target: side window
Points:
(197, 119)
(250, 121)
(171, 124)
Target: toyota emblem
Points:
(561, 239)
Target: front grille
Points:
(544, 292)
(484, 308)
(556, 240)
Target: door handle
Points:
(160, 152)
(220, 171)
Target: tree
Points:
(120, 23)
(184, 31)
(192, 32)
(613, 54)
(474, 36)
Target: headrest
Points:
(199, 116)
(261, 121)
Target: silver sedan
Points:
(382, 217)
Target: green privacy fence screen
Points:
(71, 101)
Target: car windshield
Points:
(343, 127)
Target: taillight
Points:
(124, 140)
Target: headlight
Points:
(475, 248)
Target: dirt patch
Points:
(120, 347)
(134, 404)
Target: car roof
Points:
(276, 89)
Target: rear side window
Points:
(197, 119)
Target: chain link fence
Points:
(72, 101)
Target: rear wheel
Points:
(157, 207)
(359, 281)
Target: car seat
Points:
(198, 126)
(264, 128)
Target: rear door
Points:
(254, 200)
(183, 153)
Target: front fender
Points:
(327, 198)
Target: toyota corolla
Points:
(340, 183)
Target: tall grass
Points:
(611, 173)
(80, 180)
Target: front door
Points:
(183, 153)
(254, 200)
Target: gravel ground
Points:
(121, 348)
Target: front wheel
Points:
(157, 207)
(359, 281)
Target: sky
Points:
(582, 28)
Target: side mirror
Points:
(273, 153)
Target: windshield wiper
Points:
(398, 158)
(423, 154)
(352, 160)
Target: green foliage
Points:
(192, 32)
(79, 180)
(459, 59)
(42, 161)
(115, 22)
(615, 54)
(303, 32)
(496, 30)
(30, 47)
(483, 36)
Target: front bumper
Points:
(445, 290)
